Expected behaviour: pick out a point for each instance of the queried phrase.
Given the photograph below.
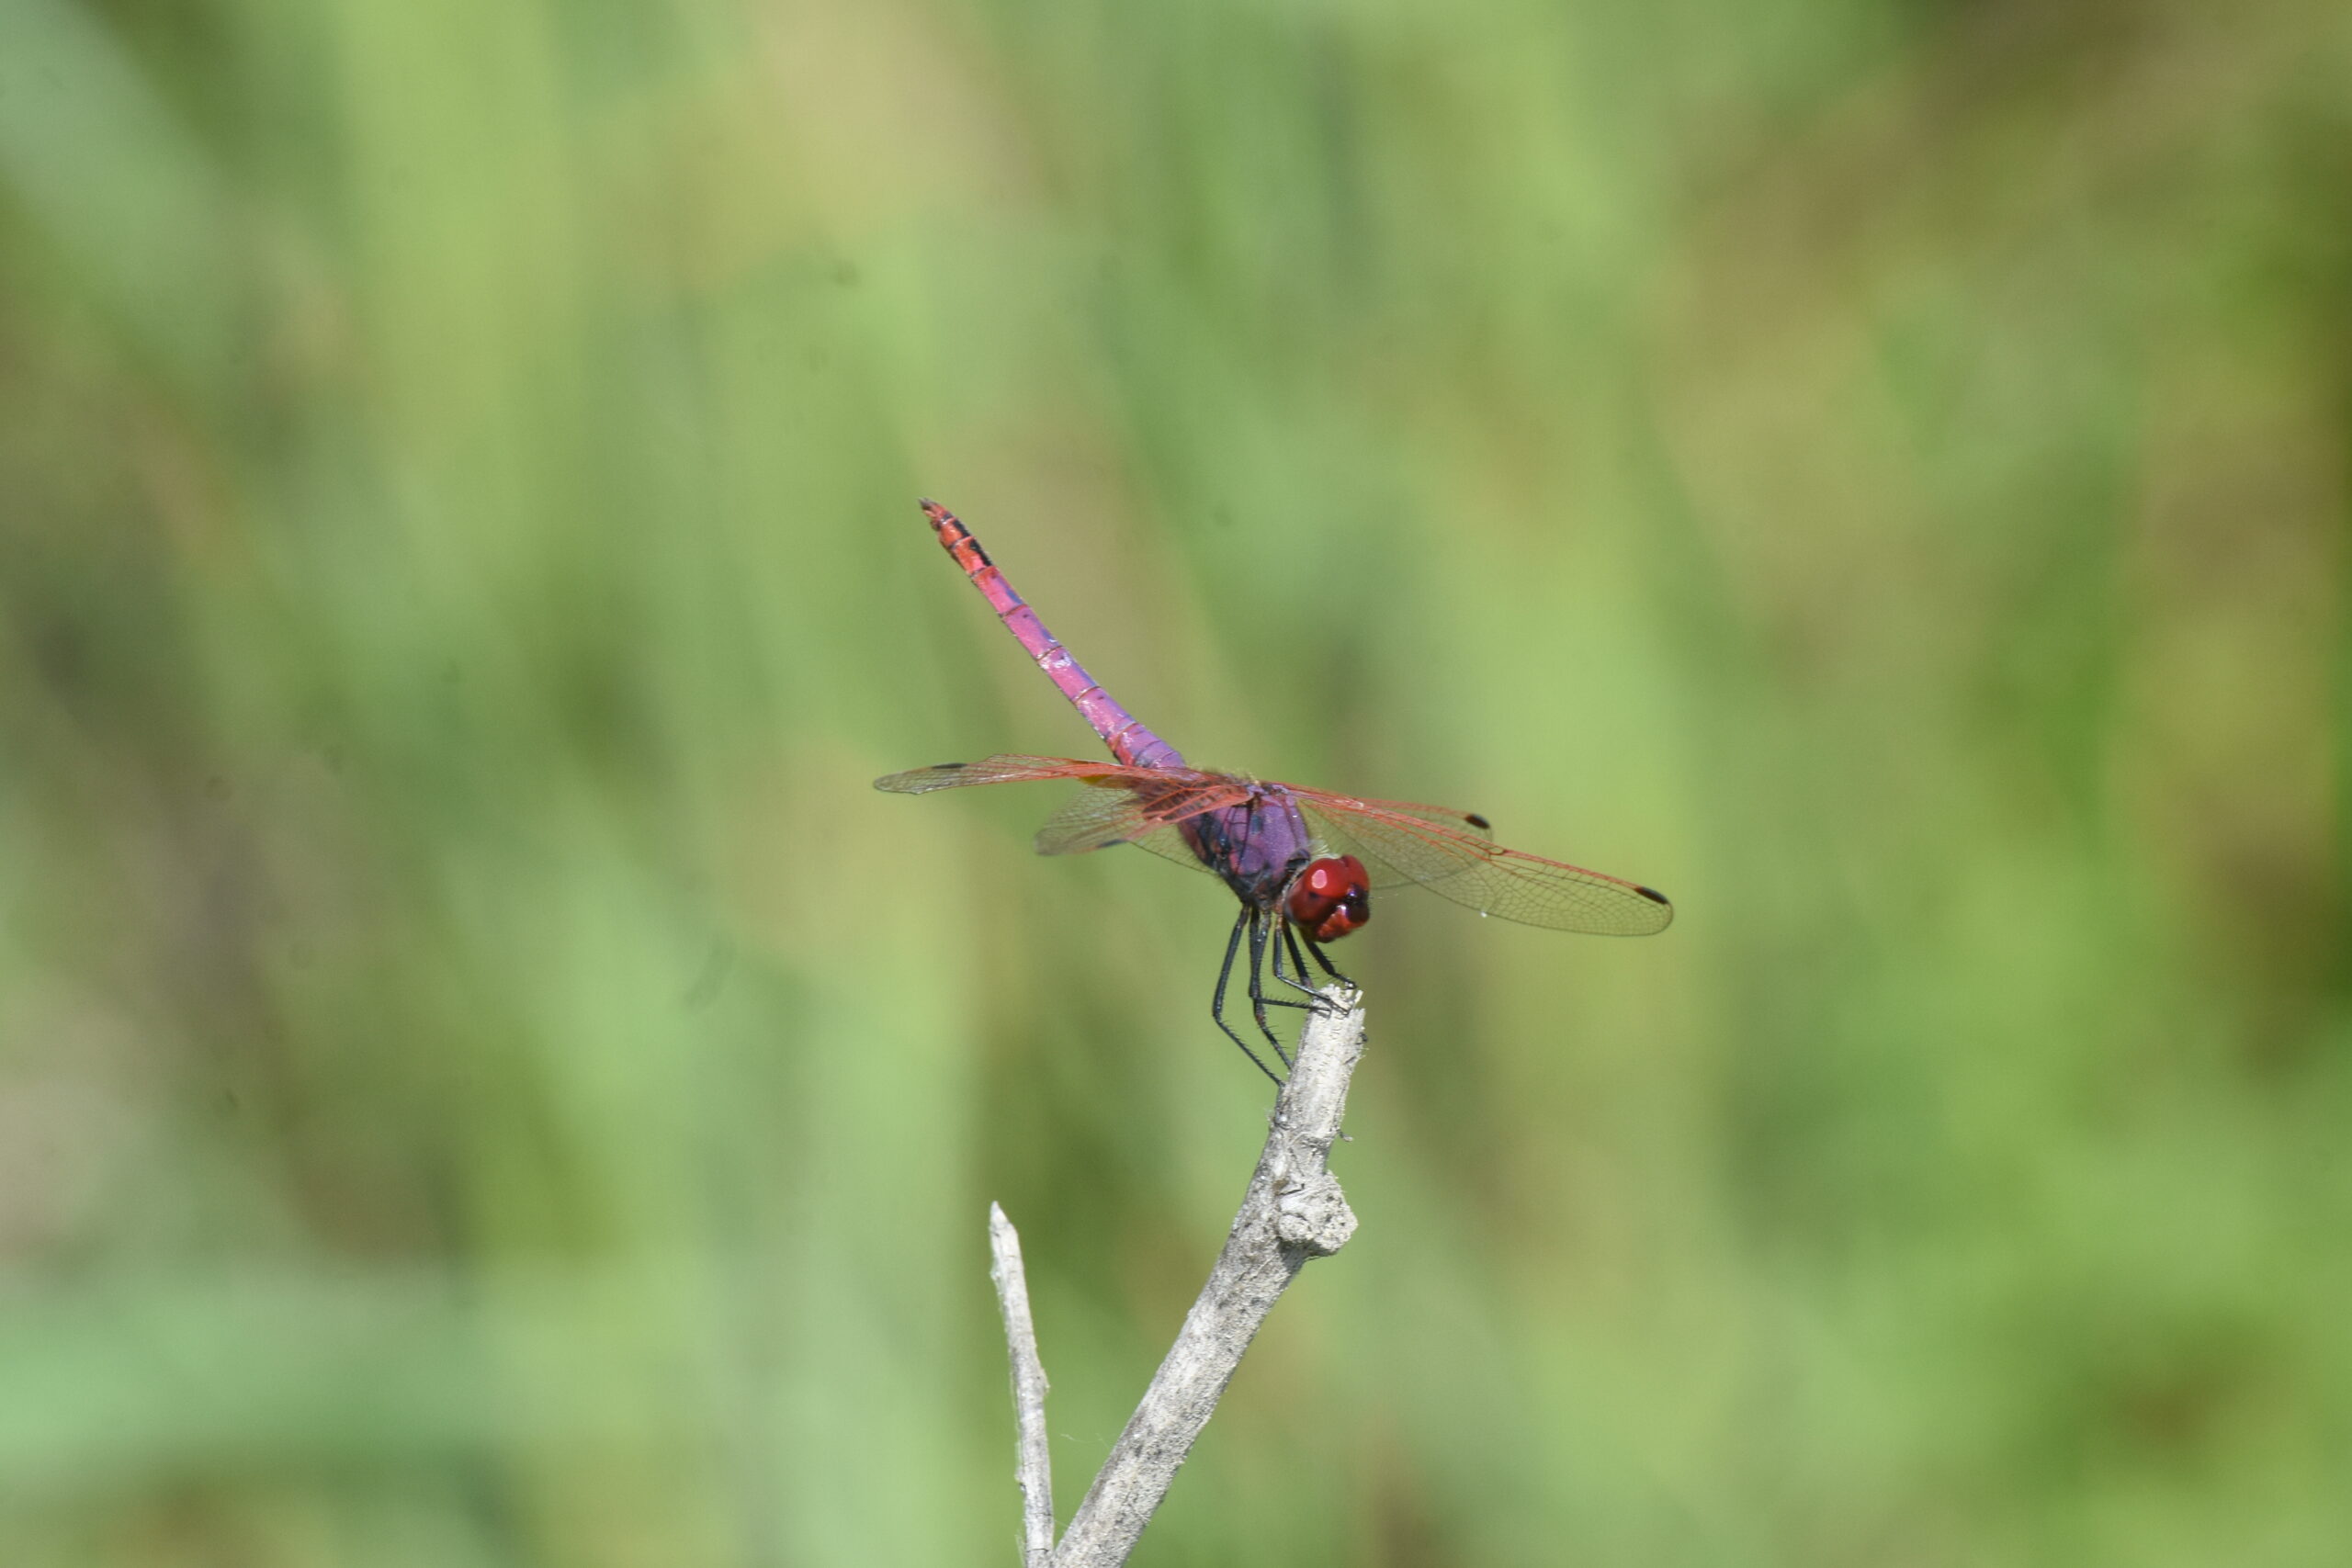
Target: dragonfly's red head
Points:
(1330, 899)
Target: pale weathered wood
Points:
(1293, 1210)
(1034, 1466)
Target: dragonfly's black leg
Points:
(1277, 923)
(1247, 918)
(1258, 984)
(1326, 962)
(1295, 976)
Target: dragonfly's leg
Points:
(1274, 949)
(1258, 984)
(1320, 957)
(1216, 1003)
(1298, 965)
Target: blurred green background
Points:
(483, 1080)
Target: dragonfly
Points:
(1303, 862)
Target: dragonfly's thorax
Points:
(1259, 847)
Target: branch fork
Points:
(1293, 1210)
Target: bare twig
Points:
(1035, 1467)
(1293, 1210)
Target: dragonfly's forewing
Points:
(1456, 823)
(1009, 768)
(1450, 854)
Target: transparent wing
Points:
(1121, 811)
(1448, 854)
(1118, 805)
(1168, 844)
(1445, 818)
(1013, 768)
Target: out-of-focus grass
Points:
(482, 1081)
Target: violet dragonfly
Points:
(1304, 863)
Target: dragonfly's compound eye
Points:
(1331, 897)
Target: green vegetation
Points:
(484, 1082)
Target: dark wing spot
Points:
(1476, 821)
(947, 767)
(1653, 895)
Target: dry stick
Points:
(1293, 1210)
(1035, 1466)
